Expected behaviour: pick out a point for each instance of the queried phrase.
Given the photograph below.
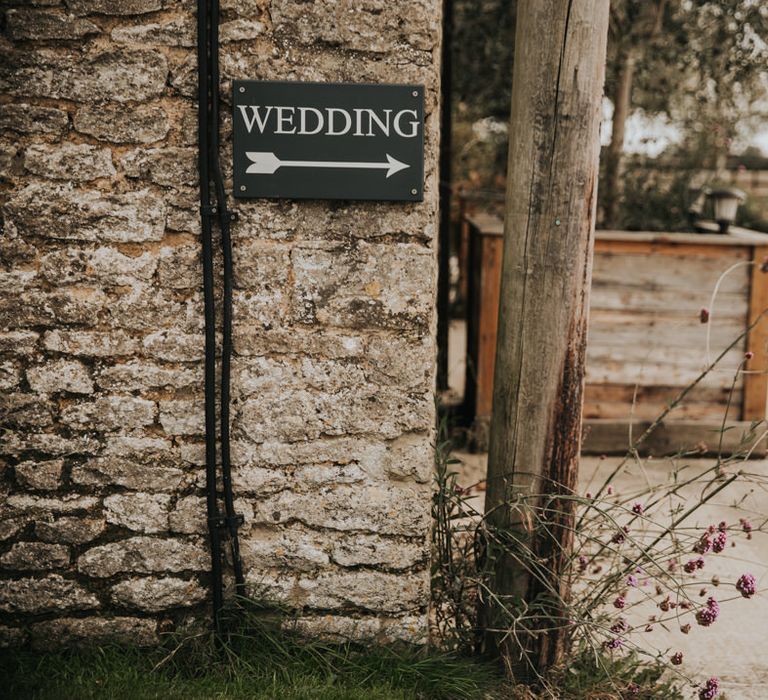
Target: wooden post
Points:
(549, 228)
(756, 385)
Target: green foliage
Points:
(482, 50)
(654, 200)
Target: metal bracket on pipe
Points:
(224, 521)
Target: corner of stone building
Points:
(102, 527)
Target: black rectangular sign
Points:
(328, 140)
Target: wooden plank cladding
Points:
(646, 341)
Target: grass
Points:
(260, 660)
(257, 661)
(281, 667)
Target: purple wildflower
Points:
(708, 614)
(620, 536)
(620, 602)
(620, 626)
(609, 490)
(637, 508)
(614, 643)
(677, 658)
(693, 564)
(632, 581)
(583, 563)
(718, 544)
(747, 585)
(703, 545)
(710, 690)
(747, 527)
(704, 315)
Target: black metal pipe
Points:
(225, 218)
(203, 135)
(444, 235)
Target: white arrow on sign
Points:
(268, 163)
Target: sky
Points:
(651, 135)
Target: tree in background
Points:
(699, 62)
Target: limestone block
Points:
(33, 119)
(45, 25)
(251, 479)
(375, 551)
(263, 308)
(370, 590)
(48, 443)
(401, 361)
(367, 628)
(66, 530)
(60, 212)
(80, 305)
(70, 162)
(319, 342)
(115, 470)
(24, 411)
(123, 75)
(140, 375)
(189, 516)
(307, 415)
(90, 343)
(60, 375)
(113, 7)
(175, 32)
(290, 549)
(144, 555)
(110, 413)
(108, 265)
(113, 123)
(374, 26)
(240, 30)
(370, 286)
(157, 594)
(182, 417)
(142, 512)
(172, 167)
(260, 264)
(39, 475)
(35, 556)
(175, 347)
(19, 342)
(49, 594)
(180, 267)
(9, 375)
(93, 631)
(10, 527)
(329, 221)
(144, 307)
(374, 509)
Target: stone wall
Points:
(102, 530)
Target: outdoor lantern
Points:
(725, 203)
